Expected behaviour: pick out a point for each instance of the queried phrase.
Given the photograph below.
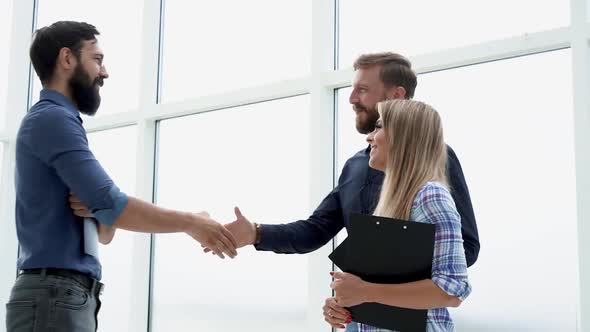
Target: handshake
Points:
(214, 237)
(226, 239)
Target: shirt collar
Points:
(60, 99)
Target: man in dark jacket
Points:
(378, 77)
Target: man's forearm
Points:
(304, 236)
(105, 233)
(298, 237)
(140, 216)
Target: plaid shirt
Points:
(434, 204)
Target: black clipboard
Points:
(387, 251)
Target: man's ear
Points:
(396, 92)
(66, 59)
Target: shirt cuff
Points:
(270, 239)
(459, 287)
(109, 216)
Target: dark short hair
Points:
(396, 70)
(49, 40)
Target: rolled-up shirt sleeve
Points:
(60, 141)
(449, 268)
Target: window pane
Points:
(116, 257)
(515, 142)
(213, 46)
(416, 27)
(256, 157)
(120, 40)
(5, 30)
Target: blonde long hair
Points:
(417, 154)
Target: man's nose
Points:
(103, 72)
(353, 98)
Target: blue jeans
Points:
(40, 303)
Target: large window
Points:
(120, 39)
(218, 46)
(510, 122)
(5, 28)
(117, 257)
(421, 26)
(255, 157)
(513, 135)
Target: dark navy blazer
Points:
(357, 191)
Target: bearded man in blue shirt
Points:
(58, 286)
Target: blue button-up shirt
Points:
(52, 160)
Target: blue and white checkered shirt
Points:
(434, 204)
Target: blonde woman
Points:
(407, 144)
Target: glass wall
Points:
(417, 27)
(115, 149)
(510, 123)
(513, 134)
(209, 49)
(255, 157)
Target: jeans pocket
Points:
(74, 311)
(21, 315)
(71, 298)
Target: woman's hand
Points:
(350, 290)
(335, 315)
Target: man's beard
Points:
(366, 125)
(84, 92)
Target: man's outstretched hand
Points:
(211, 234)
(243, 231)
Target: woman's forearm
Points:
(423, 294)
